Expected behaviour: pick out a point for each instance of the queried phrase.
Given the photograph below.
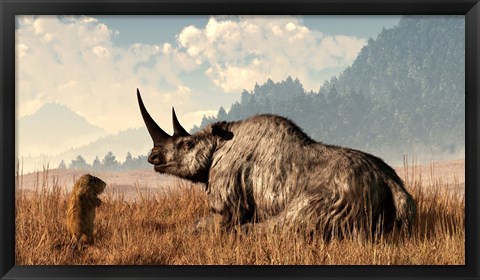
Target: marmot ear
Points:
(219, 129)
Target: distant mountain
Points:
(414, 76)
(60, 127)
(404, 94)
(137, 141)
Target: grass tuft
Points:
(155, 228)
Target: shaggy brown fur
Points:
(266, 171)
(81, 207)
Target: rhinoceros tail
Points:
(405, 206)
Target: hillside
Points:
(404, 94)
(149, 228)
(60, 127)
(450, 174)
(126, 184)
(134, 140)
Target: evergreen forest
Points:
(404, 94)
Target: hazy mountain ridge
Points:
(119, 144)
(60, 128)
(405, 93)
(133, 140)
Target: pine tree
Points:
(96, 165)
(62, 165)
(110, 162)
(222, 114)
(79, 163)
(128, 164)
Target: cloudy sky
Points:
(94, 65)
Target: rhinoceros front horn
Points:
(158, 135)
(178, 130)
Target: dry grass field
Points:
(146, 225)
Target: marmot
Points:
(81, 207)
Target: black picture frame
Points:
(9, 8)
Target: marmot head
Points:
(95, 183)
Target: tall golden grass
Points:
(155, 228)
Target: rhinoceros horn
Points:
(158, 135)
(178, 130)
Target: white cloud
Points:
(188, 120)
(80, 66)
(67, 85)
(21, 50)
(241, 52)
(101, 51)
(290, 26)
(231, 78)
(88, 19)
(74, 61)
(181, 96)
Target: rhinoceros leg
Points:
(308, 214)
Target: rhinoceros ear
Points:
(219, 129)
